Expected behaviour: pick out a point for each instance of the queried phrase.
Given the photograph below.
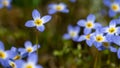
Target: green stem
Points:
(96, 60)
(37, 35)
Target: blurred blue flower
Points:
(5, 3)
(72, 33)
(5, 55)
(31, 62)
(107, 45)
(72, 1)
(38, 20)
(114, 6)
(86, 37)
(28, 48)
(89, 24)
(61, 7)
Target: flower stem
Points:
(37, 35)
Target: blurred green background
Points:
(56, 52)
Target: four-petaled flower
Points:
(89, 24)
(5, 3)
(72, 33)
(114, 7)
(38, 21)
(61, 7)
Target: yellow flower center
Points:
(28, 66)
(5, 3)
(17, 57)
(38, 22)
(72, 34)
(87, 37)
(59, 8)
(12, 64)
(2, 55)
(99, 38)
(89, 25)
(112, 30)
(29, 49)
(115, 7)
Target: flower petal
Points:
(1, 45)
(32, 58)
(27, 44)
(66, 36)
(89, 42)
(112, 13)
(46, 18)
(87, 31)
(51, 11)
(30, 23)
(41, 28)
(35, 14)
(107, 3)
(81, 23)
(81, 38)
(65, 11)
(118, 53)
(91, 17)
(112, 49)
(116, 40)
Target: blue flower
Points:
(5, 3)
(107, 45)
(5, 55)
(72, 33)
(61, 7)
(114, 7)
(38, 21)
(89, 24)
(28, 48)
(86, 37)
(111, 30)
(98, 39)
(31, 62)
(72, 1)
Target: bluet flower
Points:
(114, 7)
(89, 24)
(28, 48)
(61, 7)
(5, 3)
(72, 33)
(38, 20)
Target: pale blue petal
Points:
(66, 36)
(77, 29)
(87, 31)
(118, 53)
(107, 3)
(35, 47)
(81, 23)
(91, 17)
(118, 30)
(30, 23)
(46, 18)
(35, 14)
(10, 54)
(1, 6)
(112, 13)
(65, 11)
(116, 40)
(112, 49)
(27, 44)
(41, 28)
(72, 1)
(81, 38)
(39, 66)
(70, 28)
(32, 58)
(97, 44)
(113, 23)
(1, 45)
(20, 63)
(51, 11)
(89, 42)
(97, 25)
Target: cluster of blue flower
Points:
(13, 58)
(102, 37)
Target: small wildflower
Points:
(5, 3)
(89, 24)
(31, 62)
(28, 48)
(61, 7)
(114, 7)
(72, 33)
(38, 21)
